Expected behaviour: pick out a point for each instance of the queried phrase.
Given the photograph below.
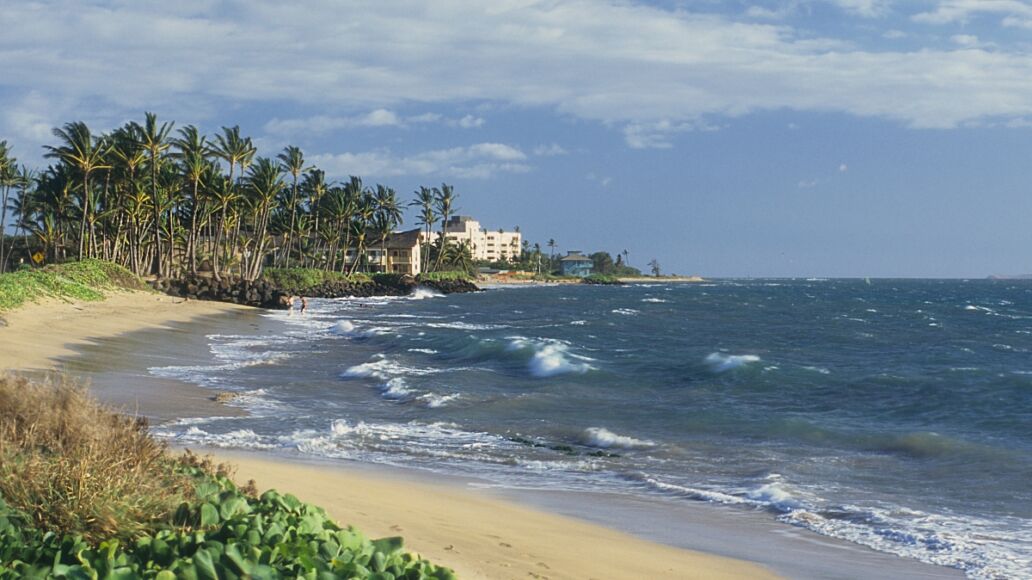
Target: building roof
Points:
(575, 256)
(404, 240)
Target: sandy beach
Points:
(479, 536)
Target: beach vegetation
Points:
(300, 280)
(88, 280)
(87, 493)
(601, 279)
(445, 276)
(166, 201)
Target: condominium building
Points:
(488, 245)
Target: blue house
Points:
(575, 264)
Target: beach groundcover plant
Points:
(87, 493)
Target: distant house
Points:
(575, 264)
(402, 254)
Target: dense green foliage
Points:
(603, 279)
(223, 533)
(86, 280)
(88, 493)
(298, 280)
(444, 276)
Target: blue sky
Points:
(804, 138)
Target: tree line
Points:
(165, 202)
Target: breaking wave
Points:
(605, 439)
(720, 362)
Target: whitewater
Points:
(895, 415)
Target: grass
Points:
(87, 280)
(299, 280)
(87, 493)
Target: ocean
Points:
(895, 414)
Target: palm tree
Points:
(22, 207)
(387, 216)
(445, 199)
(293, 161)
(234, 150)
(314, 187)
(154, 140)
(85, 153)
(192, 152)
(264, 183)
(8, 175)
(427, 218)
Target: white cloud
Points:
(659, 135)
(470, 122)
(652, 71)
(865, 8)
(808, 184)
(843, 168)
(1014, 12)
(964, 39)
(320, 124)
(894, 34)
(550, 150)
(479, 161)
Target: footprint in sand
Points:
(397, 528)
(504, 545)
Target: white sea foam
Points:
(654, 300)
(435, 401)
(423, 350)
(820, 370)
(605, 439)
(720, 362)
(625, 311)
(550, 357)
(460, 325)
(578, 323)
(343, 328)
(422, 293)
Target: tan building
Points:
(486, 245)
(402, 254)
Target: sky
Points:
(722, 138)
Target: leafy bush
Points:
(86, 493)
(603, 279)
(444, 276)
(86, 280)
(299, 280)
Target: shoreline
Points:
(488, 537)
(714, 534)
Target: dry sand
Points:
(37, 336)
(477, 535)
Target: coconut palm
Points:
(192, 152)
(387, 216)
(264, 183)
(445, 201)
(425, 200)
(234, 150)
(83, 152)
(154, 140)
(293, 162)
(8, 175)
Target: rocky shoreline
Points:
(263, 294)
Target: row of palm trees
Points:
(166, 202)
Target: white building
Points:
(487, 245)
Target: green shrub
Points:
(604, 279)
(299, 280)
(444, 276)
(87, 280)
(87, 493)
